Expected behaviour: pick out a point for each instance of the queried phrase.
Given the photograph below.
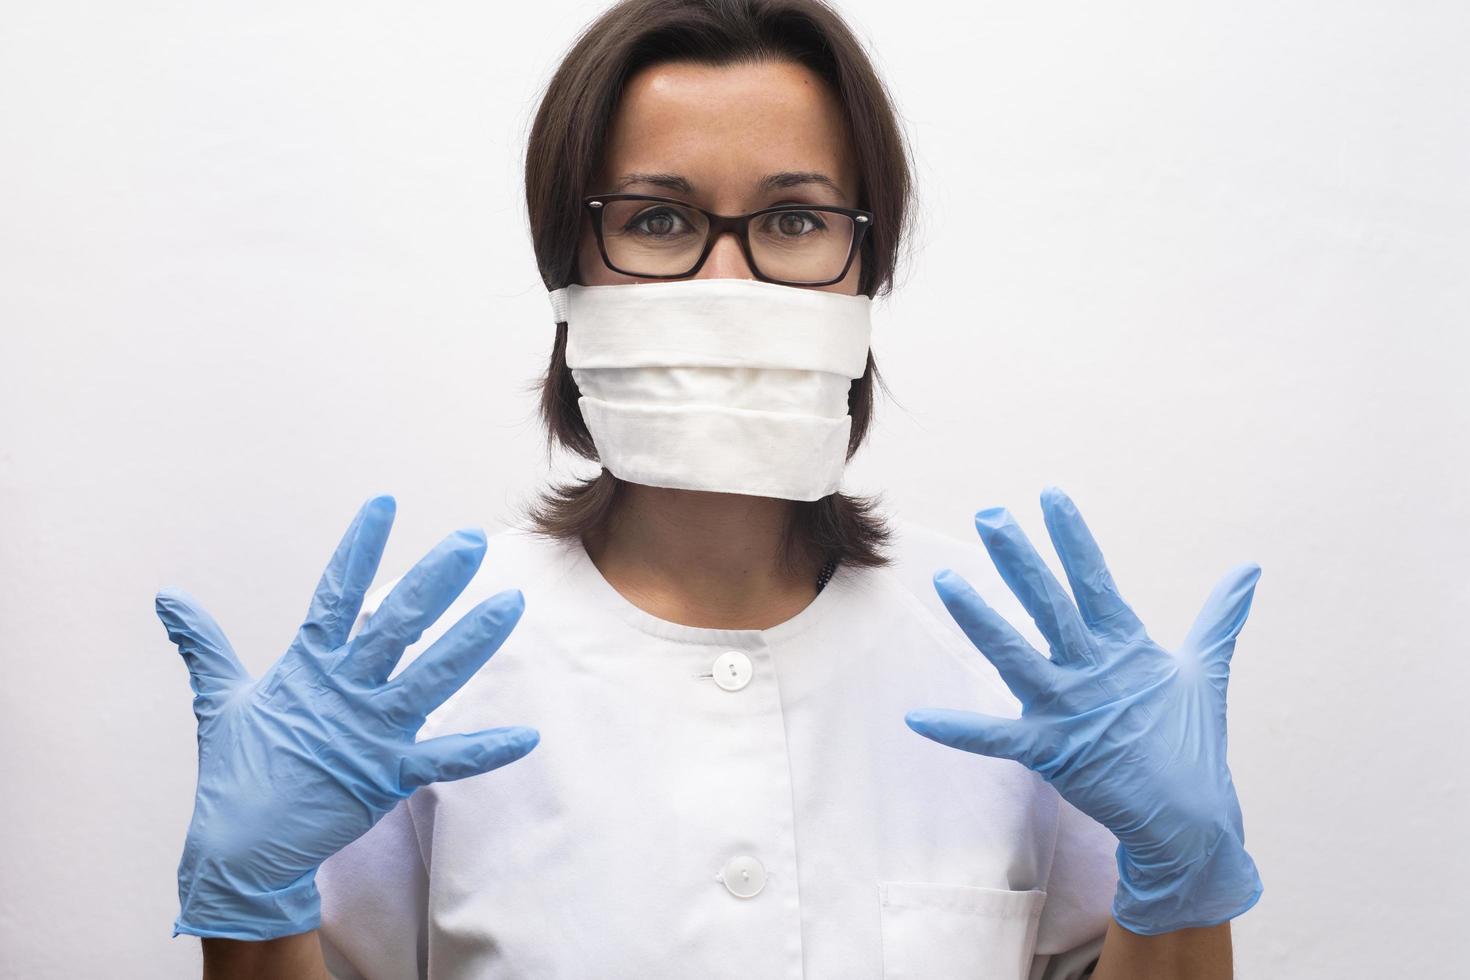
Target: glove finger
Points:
(1023, 669)
(450, 757)
(1035, 586)
(1097, 596)
(348, 574)
(419, 598)
(982, 734)
(1211, 640)
(363, 563)
(454, 658)
(213, 666)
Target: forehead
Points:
(725, 127)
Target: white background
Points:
(1204, 268)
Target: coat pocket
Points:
(957, 932)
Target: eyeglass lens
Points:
(654, 238)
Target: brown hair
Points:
(564, 153)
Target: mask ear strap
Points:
(559, 305)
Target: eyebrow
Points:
(770, 182)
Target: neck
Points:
(703, 559)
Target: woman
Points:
(709, 636)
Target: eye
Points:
(658, 222)
(794, 224)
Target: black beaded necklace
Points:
(826, 573)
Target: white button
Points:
(732, 670)
(744, 876)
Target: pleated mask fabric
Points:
(724, 385)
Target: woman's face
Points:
(711, 136)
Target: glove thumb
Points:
(1211, 640)
(451, 757)
(213, 667)
(1003, 738)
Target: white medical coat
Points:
(715, 803)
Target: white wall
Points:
(1205, 268)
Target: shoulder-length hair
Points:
(564, 153)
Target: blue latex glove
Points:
(1128, 732)
(303, 761)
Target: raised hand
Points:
(297, 764)
(1129, 733)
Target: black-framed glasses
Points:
(788, 244)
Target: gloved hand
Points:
(303, 761)
(1128, 732)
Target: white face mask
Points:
(725, 385)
